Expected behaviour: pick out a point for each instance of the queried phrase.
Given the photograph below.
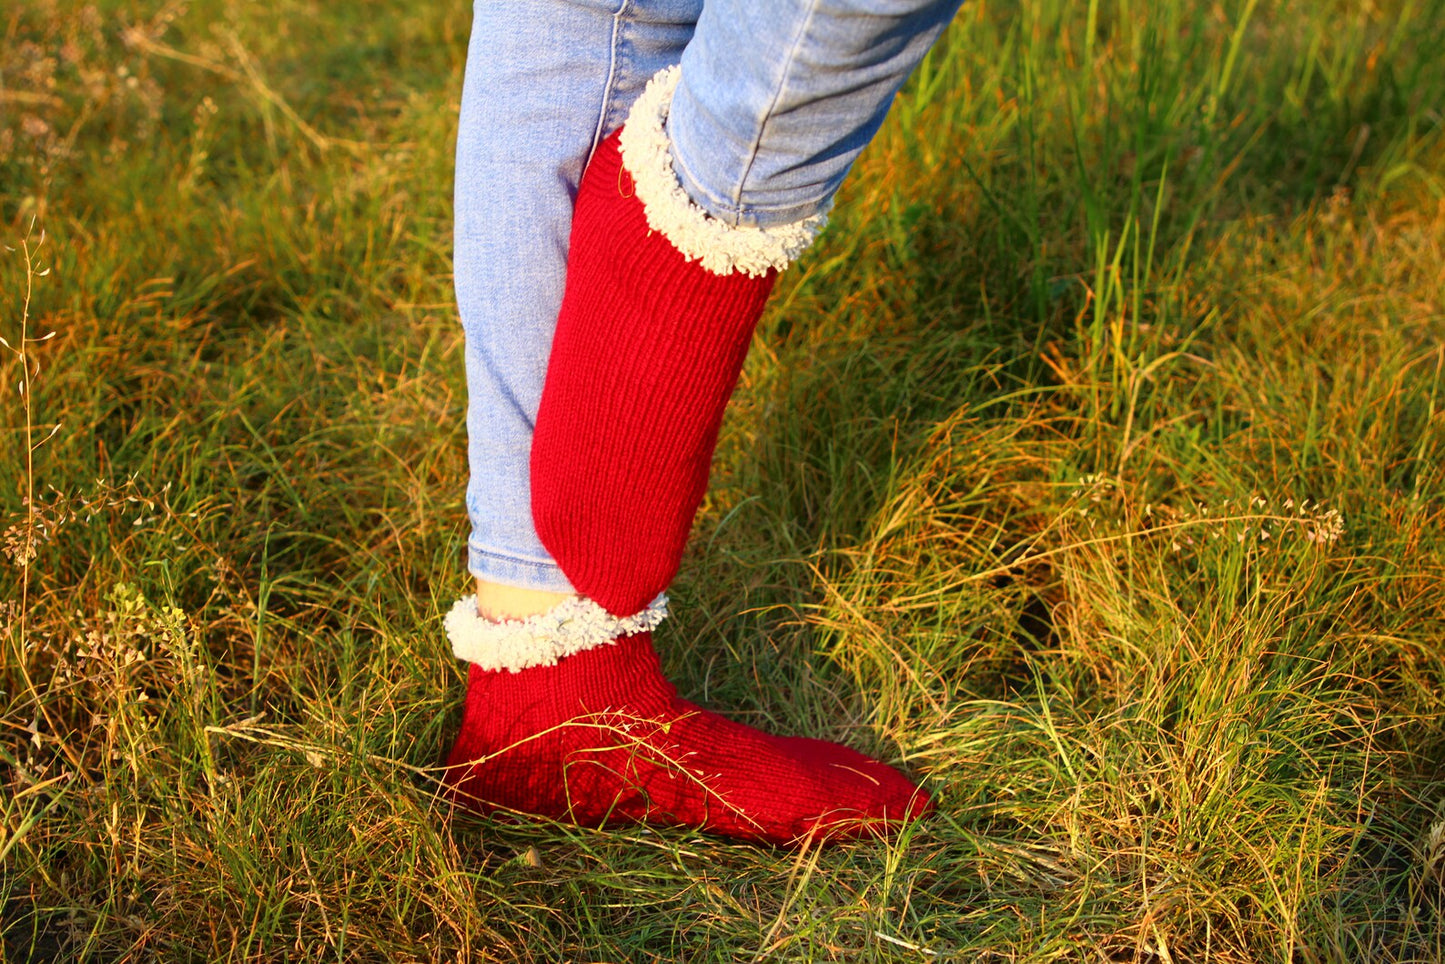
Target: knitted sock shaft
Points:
(647, 351)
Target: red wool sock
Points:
(648, 349)
(602, 737)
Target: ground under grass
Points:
(1091, 468)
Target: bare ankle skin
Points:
(498, 602)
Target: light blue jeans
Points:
(777, 98)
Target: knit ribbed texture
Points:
(648, 348)
(647, 351)
(602, 738)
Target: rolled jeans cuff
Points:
(491, 565)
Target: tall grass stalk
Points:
(23, 551)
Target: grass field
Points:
(1091, 468)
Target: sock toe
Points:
(866, 792)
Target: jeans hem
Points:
(489, 565)
(741, 215)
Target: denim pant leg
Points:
(777, 99)
(545, 81)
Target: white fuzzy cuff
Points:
(572, 626)
(721, 247)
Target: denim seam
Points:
(740, 215)
(510, 556)
(709, 202)
(609, 88)
(511, 570)
(782, 80)
(730, 208)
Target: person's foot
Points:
(601, 737)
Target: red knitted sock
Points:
(648, 348)
(602, 737)
(647, 351)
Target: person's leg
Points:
(662, 294)
(776, 100)
(770, 107)
(545, 82)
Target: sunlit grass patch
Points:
(1090, 468)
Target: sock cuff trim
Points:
(721, 247)
(572, 626)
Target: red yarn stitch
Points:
(648, 348)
